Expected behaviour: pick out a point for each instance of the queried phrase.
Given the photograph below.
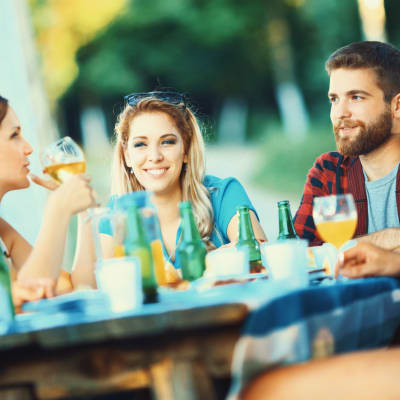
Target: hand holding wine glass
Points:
(63, 159)
(335, 218)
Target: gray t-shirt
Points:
(382, 205)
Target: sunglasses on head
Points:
(170, 97)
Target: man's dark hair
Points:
(383, 58)
(3, 108)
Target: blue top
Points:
(382, 205)
(225, 195)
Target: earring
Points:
(131, 170)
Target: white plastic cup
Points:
(287, 260)
(121, 280)
(227, 261)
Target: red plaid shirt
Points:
(333, 173)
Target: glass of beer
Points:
(335, 218)
(62, 159)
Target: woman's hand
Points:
(74, 195)
(31, 289)
(366, 259)
(49, 184)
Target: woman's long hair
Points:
(192, 175)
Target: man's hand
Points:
(366, 259)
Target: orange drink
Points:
(119, 251)
(337, 232)
(158, 259)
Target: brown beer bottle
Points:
(247, 240)
(286, 228)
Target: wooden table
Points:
(178, 346)
(175, 353)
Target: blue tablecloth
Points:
(316, 322)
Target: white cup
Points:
(227, 261)
(121, 280)
(287, 260)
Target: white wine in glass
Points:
(63, 159)
(335, 218)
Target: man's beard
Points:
(369, 137)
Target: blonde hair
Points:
(192, 175)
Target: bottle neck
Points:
(190, 232)
(245, 228)
(286, 228)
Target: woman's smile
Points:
(156, 172)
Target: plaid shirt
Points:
(333, 173)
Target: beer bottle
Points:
(247, 240)
(6, 303)
(136, 244)
(191, 251)
(286, 228)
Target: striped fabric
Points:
(333, 173)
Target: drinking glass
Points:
(62, 159)
(151, 224)
(335, 218)
(121, 280)
(287, 260)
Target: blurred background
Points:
(254, 71)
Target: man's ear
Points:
(395, 106)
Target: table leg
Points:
(181, 380)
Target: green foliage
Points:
(287, 163)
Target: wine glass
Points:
(335, 218)
(62, 159)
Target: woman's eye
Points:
(169, 141)
(138, 144)
(14, 135)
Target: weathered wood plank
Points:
(124, 363)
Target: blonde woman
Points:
(159, 148)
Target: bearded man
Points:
(364, 92)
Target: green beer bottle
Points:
(136, 244)
(286, 228)
(191, 251)
(7, 306)
(247, 240)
